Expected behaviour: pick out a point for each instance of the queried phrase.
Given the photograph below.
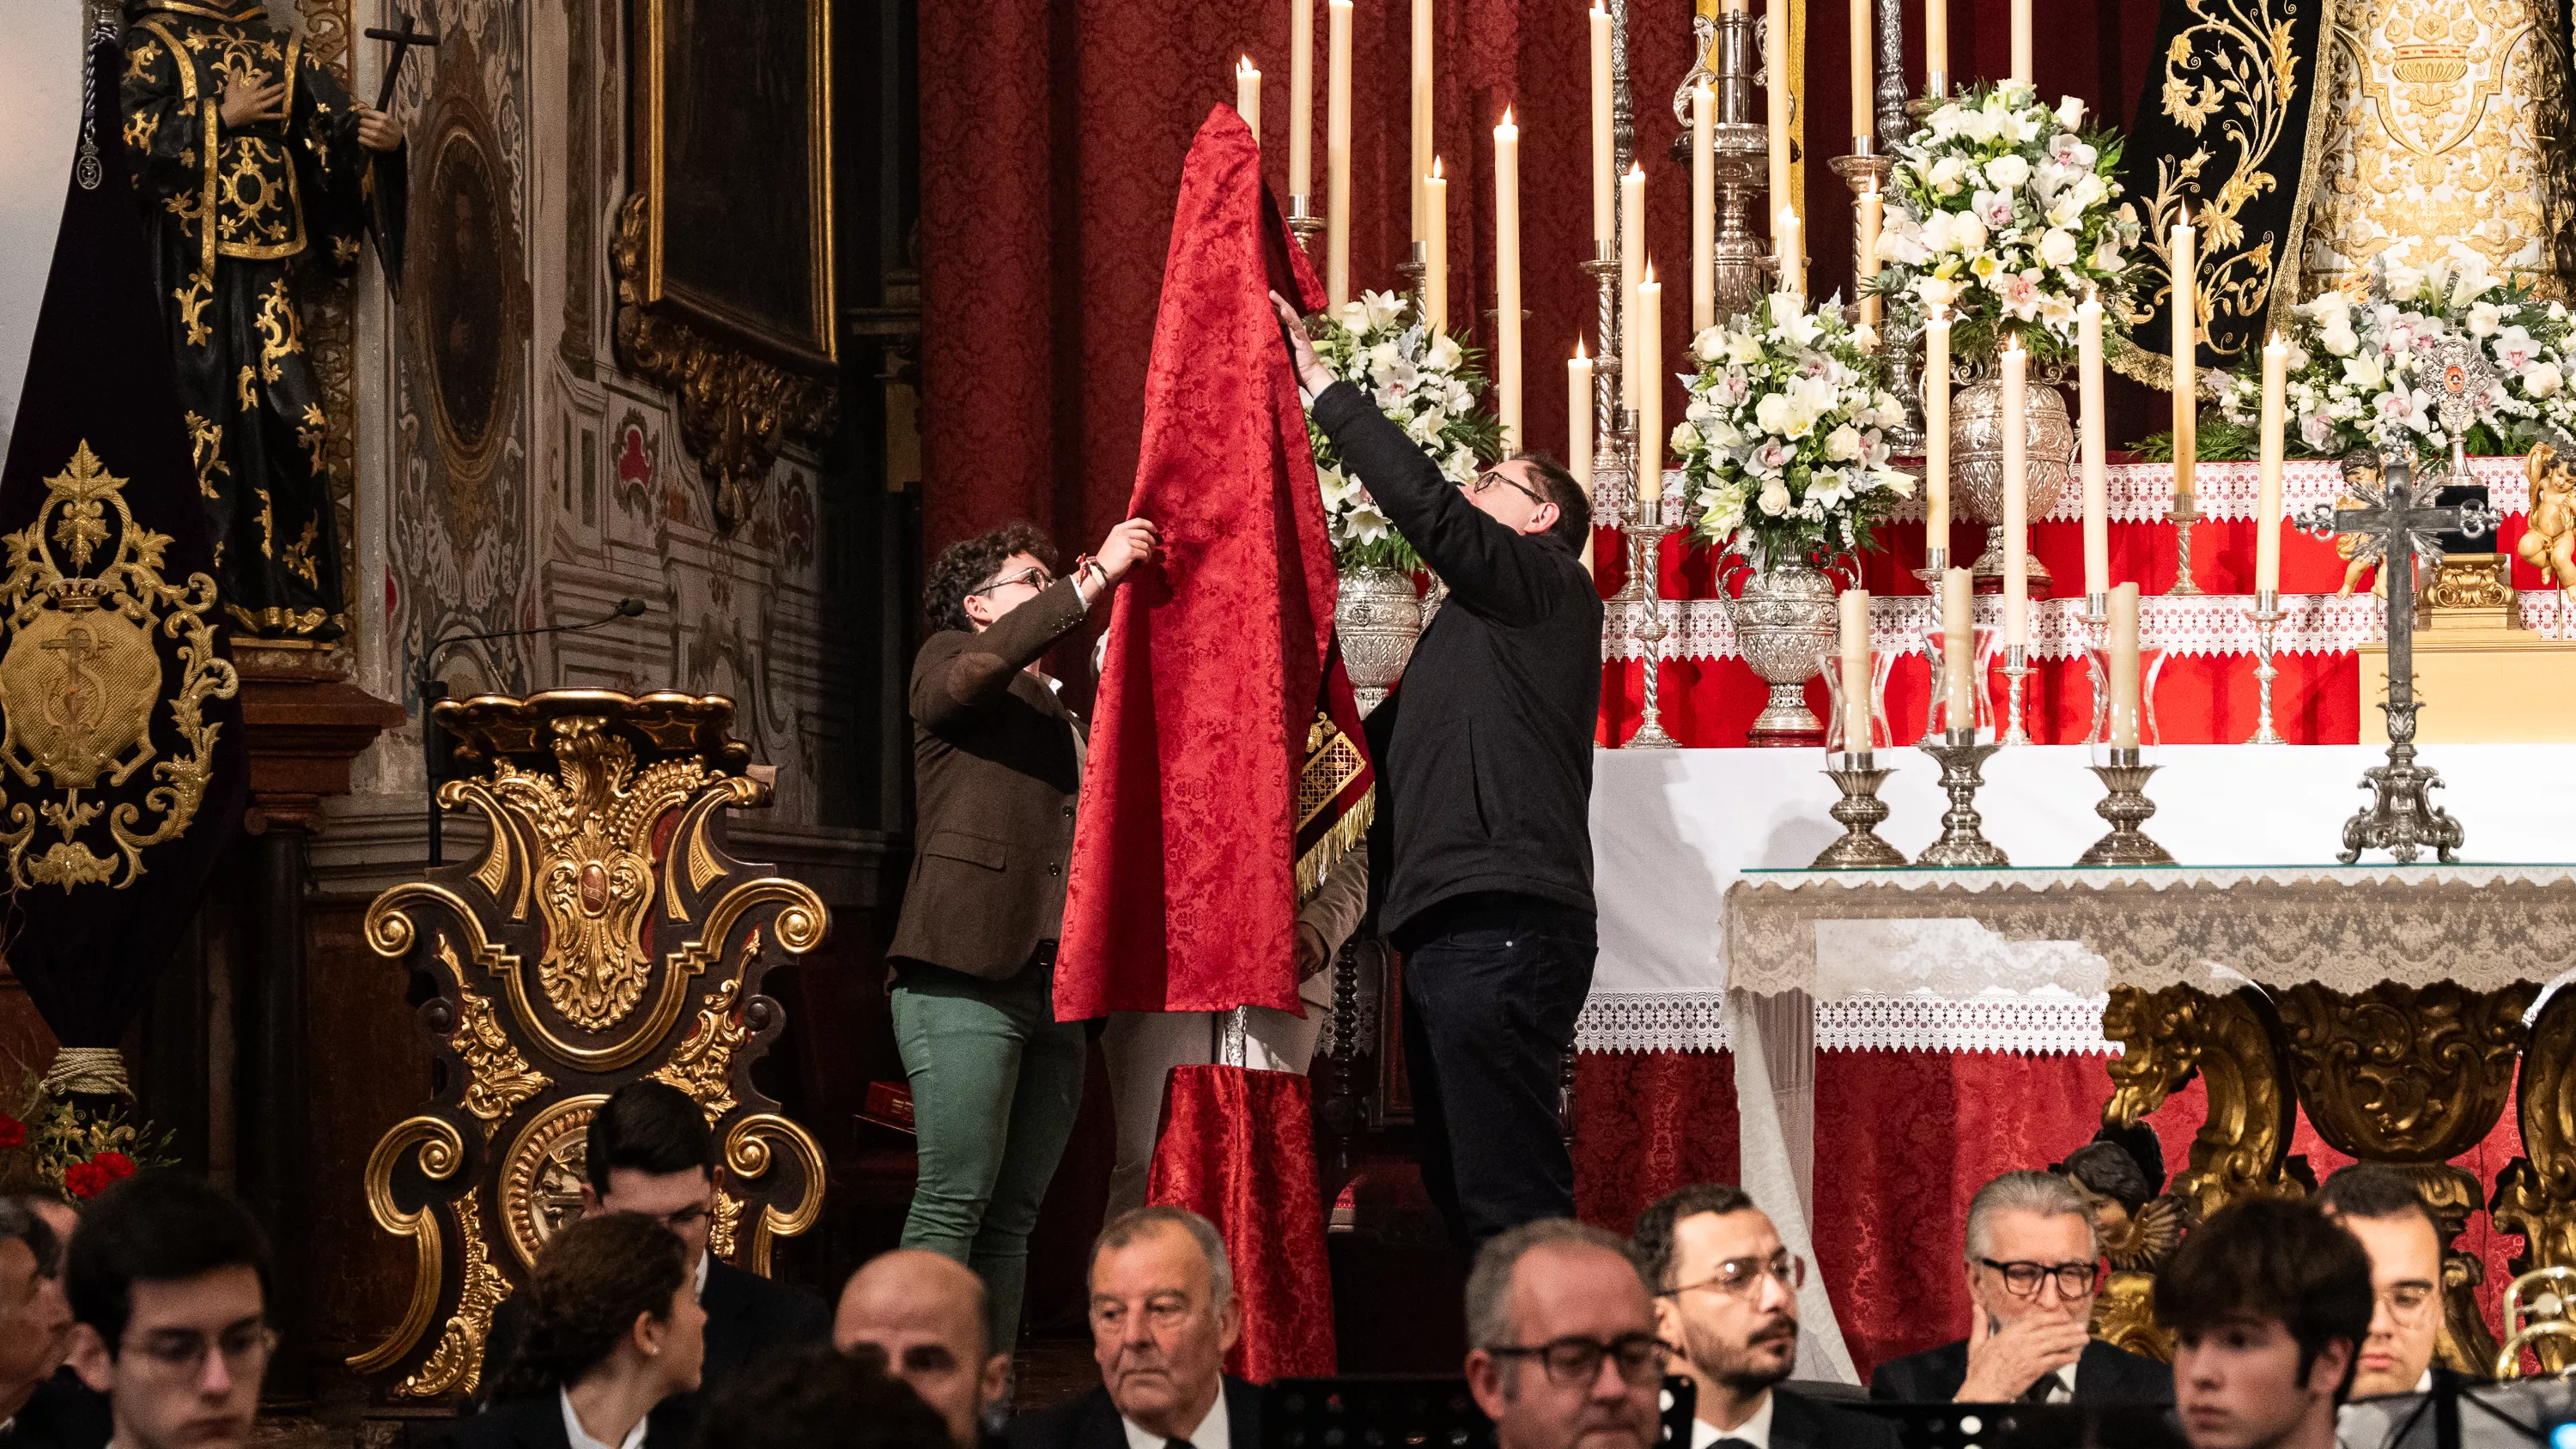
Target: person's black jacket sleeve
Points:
(1508, 577)
(960, 673)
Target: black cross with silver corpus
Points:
(2397, 525)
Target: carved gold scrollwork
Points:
(442, 1153)
(703, 1065)
(2233, 1041)
(2124, 1316)
(456, 1365)
(2402, 1073)
(2535, 1196)
(749, 1152)
(541, 1174)
(500, 1078)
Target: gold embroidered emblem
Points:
(206, 440)
(278, 334)
(192, 300)
(80, 683)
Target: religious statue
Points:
(2359, 467)
(255, 170)
(2549, 545)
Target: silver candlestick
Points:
(1858, 813)
(1414, 269)
(2097, 625)
(1890, 93)
(1961, 843)
(2126, 806)
(1303, 223)
(1864, 170)
(2186, 512)
(1645, 535)
(2016, 669)
(2267, 615)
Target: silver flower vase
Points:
(1977, 464)
(1378, 617)
(1785, 620)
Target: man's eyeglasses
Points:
(1741, 1277)
(1036, 578)
(181, 1353)
(1577, 1360)
(2022, 1280)
(1477, 485)
(2406, 1301)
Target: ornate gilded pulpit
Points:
(603, 935)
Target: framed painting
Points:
(733, 160)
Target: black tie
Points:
(1732, 1444)
(2038, 1392)
(1178, 1444)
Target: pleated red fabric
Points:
(1236, 1149)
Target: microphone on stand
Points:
(438, 751)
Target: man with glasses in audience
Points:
(997, 762)
(2033, 1268)
(1726, 1297)
(168, 1282)
(2381, 1207)
(1562, 1352)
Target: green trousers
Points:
(996, 1080)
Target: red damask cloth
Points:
(1220, 1158)
(1182, 894)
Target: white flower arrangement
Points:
(2355, 355)
(2008, 213)
(1426, 384)
(1784, 446)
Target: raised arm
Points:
(973, 673)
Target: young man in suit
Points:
(2382, 1208)
(924, 1314)
(1163, 1316)
(2033, 1268)
(1562, 1352)
(2268, 1303)
(649, 1152)
(168, 1283)
(997, 763)
(1726, 1295)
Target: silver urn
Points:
(1977, 462)
(1785, 620)
(1378, 617)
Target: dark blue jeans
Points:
(1492, 985)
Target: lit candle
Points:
(1337, 154)
(1301, 97)
(2097, 457)
(1605, 166)
(1793, 271)
(1936, 44)
(1422, 144)
(2016, 495)
(1703, 210)
(1632, 261)
(1855, 661)
(1873, 211)
(2186, 348)
(1775, 71)
(2267, 500)
(1936, 428)
(1578, 429)
(1645, 368)
(1507, 277)
(1864, 125)
(1247, 96)
(2124, 667)
(2022, 69)
(1959, 650)
(1435, 248)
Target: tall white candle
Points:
(1647, 369)
(2097, 457)
(1632, 263)
(1337, 154)
(1958, 650)
(1855, 669)
(1864, 124)
(2022, 69)
(1605, 165)
(1422, 141)
(1936, 44)
(1936, 428)
(1578, 430)
(2267, 500)
(2123, 641)
(1775, 41)
(2016, 495)
(1301, 98)
(1507, 277)
(1793, 267)
(1435, 247)
(2186, 349)
(1703, 278)
(1247, 96)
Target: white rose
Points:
(1445, 353)
(2007, 171)
(1967, 233)
(2485, 318)
(2404, 283)
(1843, 444)
(1775, 497)
(2106, 253)
(2541, 379)
(2057, 248)
(2339, 338)
(1772, 414)
(1947, 175)
(2070, 114)
(1710, 345)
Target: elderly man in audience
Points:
(2269, 1304)
(1726, 1295)
(1163, 1315)
(2381, 1207)
(2033, 1267)
(1562, 1352)
(924, 1312)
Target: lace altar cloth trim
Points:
(2347, 927)
(2001, 1023)
(2144, 492)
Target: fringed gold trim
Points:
(2154, 369)
(1346, 835)
(2292, 265)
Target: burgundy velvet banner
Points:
(1236, 1149)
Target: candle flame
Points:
(1648, 279)
(2275, 342)
(1244, 67)
(1578, 348)
(1939, 312)
(1435, 168)
(1636, 171)
(1507, 120)
(1700, 88)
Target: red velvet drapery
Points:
(1051, 143)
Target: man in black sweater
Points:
(1485, 760)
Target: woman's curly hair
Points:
(595, 1277)
(963, 566)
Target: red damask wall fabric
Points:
(1052, 133)
(1235, 1150)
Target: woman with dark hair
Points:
(614, 1328)
(997, 762)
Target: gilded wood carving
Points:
(604, 935)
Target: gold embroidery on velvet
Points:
(206, 440)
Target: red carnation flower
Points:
(13, 1133)
(115, 1164)
(85, 1179)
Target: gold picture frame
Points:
(706, 136)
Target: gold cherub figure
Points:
(2550, 543)
(2359, 466)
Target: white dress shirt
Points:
(1210, 1434)
(1755, 1431)
(580, 1437)
(2063, 1391)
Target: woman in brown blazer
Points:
(997, 763)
